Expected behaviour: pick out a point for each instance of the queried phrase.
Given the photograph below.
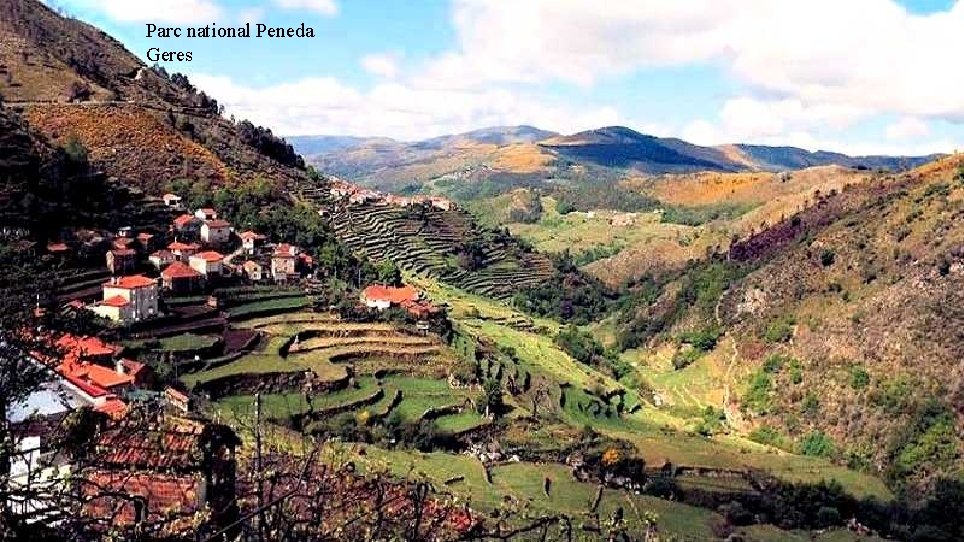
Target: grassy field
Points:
(265, 361)
(185, 341)
(522, 483)
(293, 303)
(660, 434)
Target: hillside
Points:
(144, 127)
(503, 158)
(866, 302)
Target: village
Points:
(157, 447)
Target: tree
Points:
(493, 400)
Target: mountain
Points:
(516, 156)
(76, 85)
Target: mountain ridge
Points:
(610, 147)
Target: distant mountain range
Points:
(528, 150)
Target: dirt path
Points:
(733, 415)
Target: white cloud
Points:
(152, 11)
(325, 7)
(907, 128)
(847, 60)
(400, 110)
(381, 64)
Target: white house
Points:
(128, 299)
(207, 263)
(206, 213)
(216, 232)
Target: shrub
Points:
(811, 404)
(758, 395)
(704, 339)
(817, 444)
(780, 330)
(827, 257)
(859, 378)
(686, 357)
(774, 363)
(767, 435)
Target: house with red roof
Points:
(121, 260)
(180, 278)
(251, 241)
(208, 263)
(183, 251)
(170, 464)
(162, 258)
(206, 213)
(216, 232)
(382, 297)
(253, 270)
(145, 240)
(172, 200)
(187, 225)
(283, 265)
(128, 299)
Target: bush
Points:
(758, 395)
(827, 257)
(811, 404)
(859, 378)
(780, 330)
(686, 357)
(774, 363)
(817, 444)
(704, 339)
(767, 435)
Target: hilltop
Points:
(510, 157)
(143, 126)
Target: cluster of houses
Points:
(140, 466)
(352, 193)
(197, 257)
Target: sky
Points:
(856, 76)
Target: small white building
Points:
(172, 200)
(128, 299)
(35, 466)
(206, 213)
(253, 270)
(216, 232)
(209, 264)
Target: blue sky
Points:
(861, 76)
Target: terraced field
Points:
(427, 243)
(391, 370)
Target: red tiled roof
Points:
(57, 247)
(251, 235)
(209, 256)
(123, 251)
(113, 407)
(283, 248)
(145, 235)
(84, 346)
(116, 301)
(86, 387)
(131, 282)
(251, 264)
(177, 245)
(180, 270)
(101, 376)
(122, 242)
(218, 223)
(377, 292)
(184, 220)
(169, 196)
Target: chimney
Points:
(119, 366)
